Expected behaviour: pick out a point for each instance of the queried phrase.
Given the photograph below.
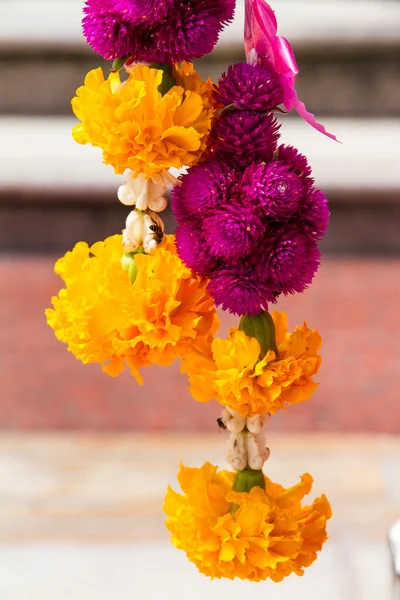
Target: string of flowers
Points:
(250, 220)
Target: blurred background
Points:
(84, 458)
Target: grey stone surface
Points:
(356, 571)
(81, 517)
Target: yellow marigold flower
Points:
(271, 535)
(104, 318)
(232, 372)
(136, 126)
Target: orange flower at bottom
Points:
(270, 536)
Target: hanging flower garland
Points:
(250, 220)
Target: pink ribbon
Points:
(263, 45)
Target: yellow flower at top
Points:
(271, 535)
(106, 319)
(138, 127)
(232, 372)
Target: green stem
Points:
(245, 481)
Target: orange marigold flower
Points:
(231, 371)
(138, 127)
(271, 534)
(104, 318)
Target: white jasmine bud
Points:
(156, 200)
(143, 192)
(255, 424)
(237, 451)
(254, 459)
(236, 424)
(142, 229)
(133, 234)
(158, 203)
(246, 442)
(153, 231)
(257, 453)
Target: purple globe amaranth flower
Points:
(194, 251)
(313, 206)
(233, 230)
(202, 189)
(241, 137)
(250, 87)
(110, 26)
(254, 233)
(298, 162)
(275, 187)
(288, 260)
(164, 31)
(239, 290)
(314, 213)
(190, 32)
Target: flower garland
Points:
(250, 220)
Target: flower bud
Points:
(129, 265)
(142, 229)
(143, 192)
(257, 453)
(132, 236)
(237, 452)
(255, 424)
(236, 422)
(157, 203)
(153, 231)
(262, 328)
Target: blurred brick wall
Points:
(354, 304)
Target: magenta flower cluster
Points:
(159, 31)
(250, 217)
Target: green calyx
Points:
(168, 80)
(245, 481)
(262, 328)
(129, 265)
(118, 64)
